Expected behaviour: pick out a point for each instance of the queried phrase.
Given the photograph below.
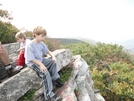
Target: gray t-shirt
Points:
(35, 51)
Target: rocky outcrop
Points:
(81, 82)
(13, 88)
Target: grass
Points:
(65, 73)
(28, 96)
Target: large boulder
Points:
(81, 81)
(16, 86)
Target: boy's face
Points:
(40, 37)
(21, 40)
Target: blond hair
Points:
(20, 35)
(39, 30)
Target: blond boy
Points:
(45, 68)
(21, 38)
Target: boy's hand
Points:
(43, 68)
(54, 59)
(18, 50)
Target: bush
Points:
(111, 67)
(7, 32)
(52, 44)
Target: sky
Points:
(99, 20)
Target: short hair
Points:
(20, 35)
(39, 30)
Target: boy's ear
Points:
(34, 35)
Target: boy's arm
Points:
(42, 67)
(53, 57)
(21, 48)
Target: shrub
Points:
(7, 32)
(52, 44)
(111, 67)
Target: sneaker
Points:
(58, 83)
(18, 67)
(56, 98)
(12, 71)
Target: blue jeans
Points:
(47, 77)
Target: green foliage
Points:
(65, 73)
(7, 32)
(4, 14)
(52, 44)
(29, 34)
(65, 41)
(111, 67)
(28, 96)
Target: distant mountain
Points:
(128, 44)
(87, 40)
(83, 39)
(66, 41)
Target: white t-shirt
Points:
(27, 41)
(35, 51)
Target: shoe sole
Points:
(9, 75)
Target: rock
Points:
(81, 80)
(16, 86)
(3, 72)
(38, 96)
(67, 91)
(98, 95)
(63, 58)
(12, 47)
(13, 88)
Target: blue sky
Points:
(100, 20)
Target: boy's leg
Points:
(46, 81)
(52, 68)
(21, 61)
(4, 57)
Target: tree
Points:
(5, 16)
(7, 30)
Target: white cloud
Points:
(103, 20)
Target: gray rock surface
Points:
(80, 81)
(15, 87)
(12, 47)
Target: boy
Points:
(21, 38)
(45, 68)
(4, 57)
